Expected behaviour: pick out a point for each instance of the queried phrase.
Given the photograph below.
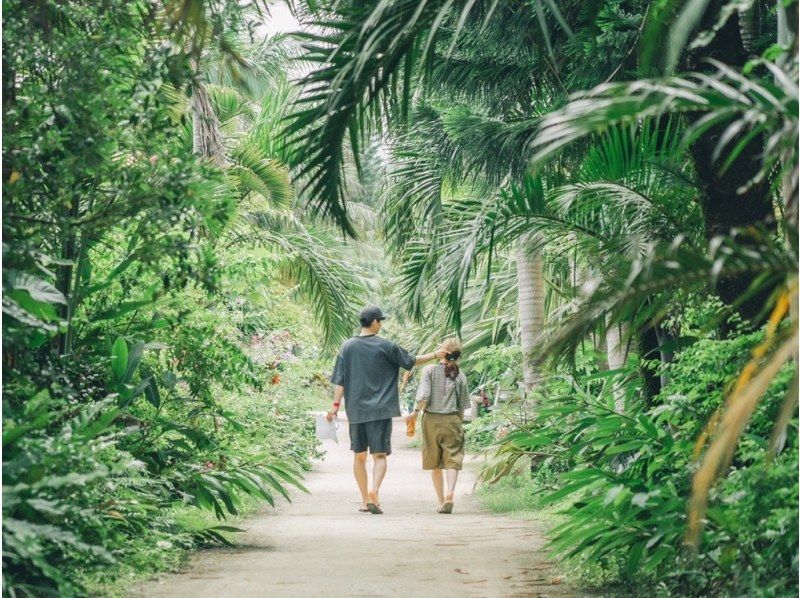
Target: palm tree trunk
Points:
(750, 20)
(616, 339)
(206, 138)
(601, 352)
(206, 135)
(617, 344)
(530, 305)
(599, 340)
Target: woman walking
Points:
(443, 396)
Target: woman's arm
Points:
(424, 389)
(463, 394)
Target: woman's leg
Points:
(438, 484)
(452, 478)
(453, 450)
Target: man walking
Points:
(366, 374)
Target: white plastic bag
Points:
(327, 429)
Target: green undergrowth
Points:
(612, 489)
(272, 421)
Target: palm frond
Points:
(749, 107)
(312, 260)
(196, 24)
(643, 293)
(256, 173)
(229, 103)
(625, 202)
(256, 68)
(490, 148)
(367, 58)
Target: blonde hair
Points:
(453, 347)
(451, 344)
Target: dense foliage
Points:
(156, 362)
(622, 480)
(599, 197)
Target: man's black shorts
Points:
(375, 435)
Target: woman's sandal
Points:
(373, 506)
(447, 507)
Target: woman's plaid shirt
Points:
(442, 394)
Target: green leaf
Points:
(38, 289)
(625, 447)
(634, 557)
(152, 393)
(119, 359)
(612, 494)
(133, 359)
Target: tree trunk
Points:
(206, 135)
(582, 274)
(750, 27)
(730, 200)
(617, 342)
(787, 36)
(530, 304)
(649, 350)
(66, 271)
(601, 351)
(666, 350)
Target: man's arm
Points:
(403, 359)
(430, 357)
(338, 393)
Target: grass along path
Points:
(319, 545)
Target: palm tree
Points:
(630, 190)
(763, 105)
(236, 117)
(206, 134)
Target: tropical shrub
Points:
(64, 494)
(627, 478)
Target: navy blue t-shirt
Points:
(367, 367)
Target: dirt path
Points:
(319, 545)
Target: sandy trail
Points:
(319, 545)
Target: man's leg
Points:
(360, 472)
(378, 472)
(438, 484)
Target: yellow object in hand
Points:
(411, 426)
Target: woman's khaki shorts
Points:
(442, 441)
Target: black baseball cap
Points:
(370, 313)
